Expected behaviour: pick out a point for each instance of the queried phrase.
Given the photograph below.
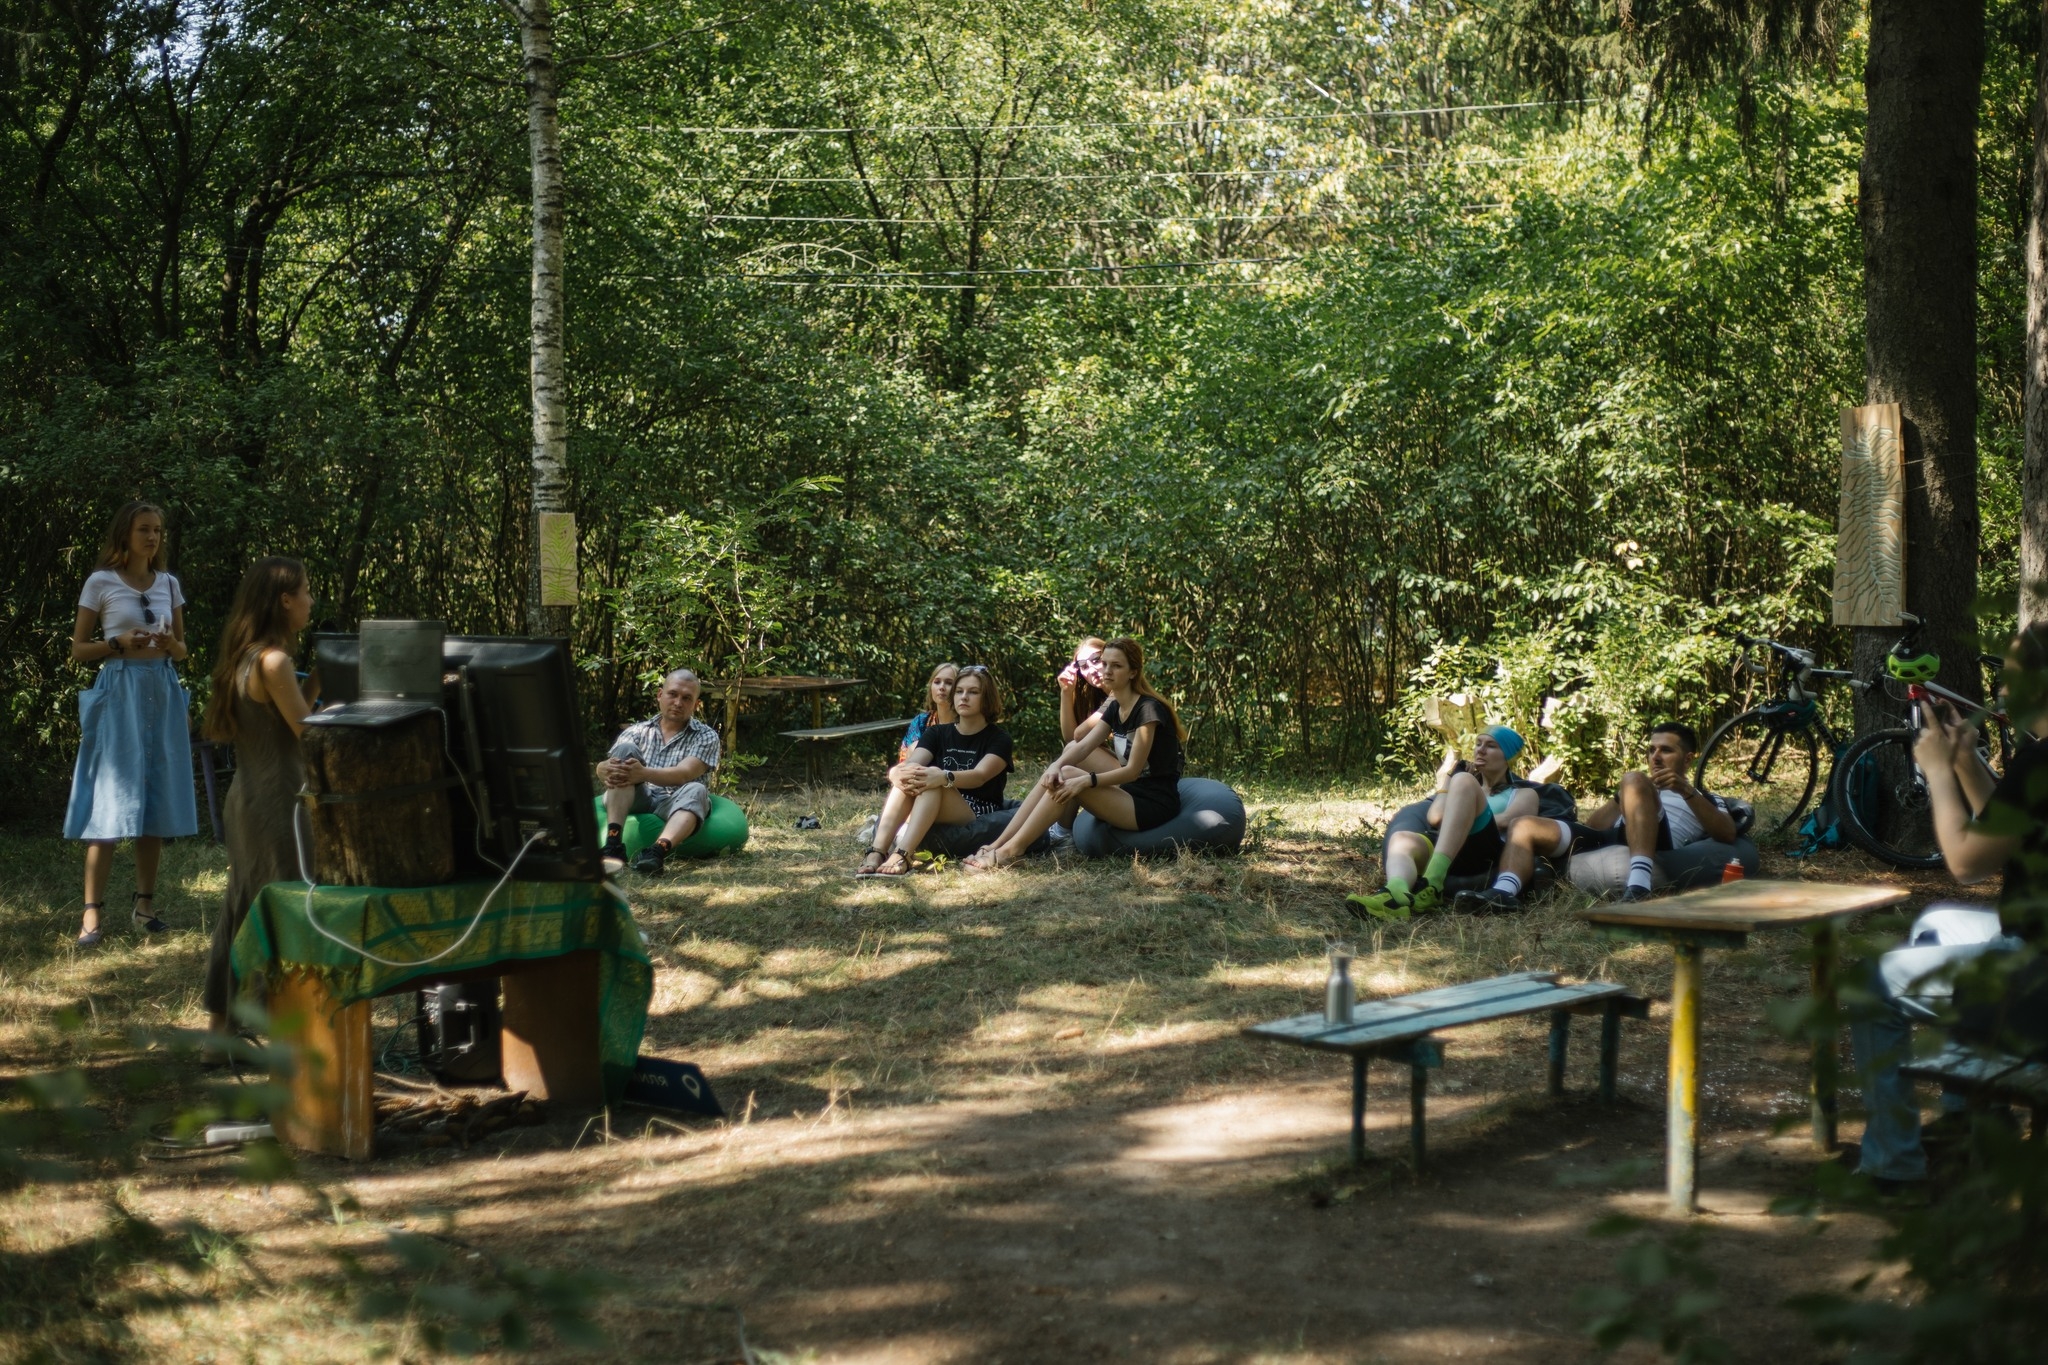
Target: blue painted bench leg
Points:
(1560, 1039)
(1610, 1050)
(1418, 1089)
(1358, 1061)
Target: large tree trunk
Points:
(2034, 476)
(550, 386)
(1919, 216)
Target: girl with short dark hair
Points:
(956, 774)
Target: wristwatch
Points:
(949, 777)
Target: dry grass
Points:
(916, 1068)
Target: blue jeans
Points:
(1881, 1032)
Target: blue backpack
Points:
(1822, 827)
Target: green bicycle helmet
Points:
(1913, 668)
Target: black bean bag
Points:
(1211, 820)
(957, 841)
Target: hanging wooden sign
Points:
(558, 559)
(1870, 537)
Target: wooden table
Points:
(781, 685)
(1725, 916)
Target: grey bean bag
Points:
(1211, 820)
(1603, 871)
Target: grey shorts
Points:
(693, 797)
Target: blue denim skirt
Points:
(134, 773)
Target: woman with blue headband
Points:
(1475, 802)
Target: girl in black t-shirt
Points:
(955, 773)
(1124, 764)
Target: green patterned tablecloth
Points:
(404, 925)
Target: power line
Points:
(1111, 123)
(1059, 269)
(1076, 177)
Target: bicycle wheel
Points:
(1765, 761)
(1882, 800)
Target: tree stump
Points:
(375, 828)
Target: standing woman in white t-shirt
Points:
(134, 774)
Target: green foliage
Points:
(1508, 384)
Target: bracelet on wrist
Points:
(1095, 779)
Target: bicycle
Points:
(1772, 752)
(1878, 789)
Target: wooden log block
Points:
(390, 833)
(332, 1109)
(550, 1045)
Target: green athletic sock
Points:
(1399, 886)
(1439, 868)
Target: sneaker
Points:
(1426, 900)
(648, 864)
(614, 851)
(1385, 905)
(1491, 901)
(1633, 895)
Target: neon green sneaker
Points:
(1427, 900)
(1391, 906)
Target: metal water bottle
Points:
(1339, 995)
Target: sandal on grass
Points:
(89, 937)
(148, 921)
(897, 864)
(870, 860)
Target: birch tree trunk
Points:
(1918, 209)
(550, 386)
(2034, 474)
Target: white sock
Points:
(1508, 882)
(1639, 869)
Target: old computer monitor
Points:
(516, 733)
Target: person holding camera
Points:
(1476, 802)
(133, 778)
(1986, 825)
(1123, 765)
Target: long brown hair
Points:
(114, 553)
(1088, 698)
(931, 708)
(257, 618)
(1135, 657)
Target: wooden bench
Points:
(826, 734)
(1399, 1029)
(1984, 1076)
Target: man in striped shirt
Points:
(660, 766)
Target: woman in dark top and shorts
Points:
(1123, 766)
(956, 774)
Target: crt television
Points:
(516, 733)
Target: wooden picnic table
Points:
(732, 692)
(1725, 916)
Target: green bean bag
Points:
(724, 828)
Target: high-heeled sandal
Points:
(88, 937)
(149, 921)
